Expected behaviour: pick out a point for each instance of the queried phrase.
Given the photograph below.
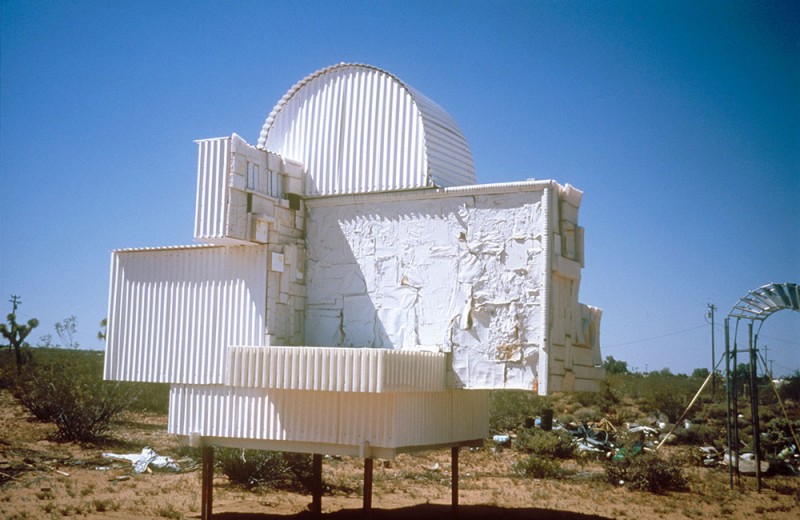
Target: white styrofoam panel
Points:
(357, 128)
(462, 270)
(174, 311)
(336, 369)
(323, 421)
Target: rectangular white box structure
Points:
(173, 311)
(352, 298)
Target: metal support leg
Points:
(207, 483)
(454, 484)
(368, 489)
(316, 491)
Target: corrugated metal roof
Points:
(358, 128)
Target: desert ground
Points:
(43, 478)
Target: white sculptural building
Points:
(355, 292)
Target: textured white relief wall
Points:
(460, 274)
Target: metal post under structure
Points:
(454, 481)
(368, 489)
(316, 485)
(734, 453)
(728, 397)
(713, 308)
(207, 482)
(754, 402)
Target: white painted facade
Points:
(353, 298)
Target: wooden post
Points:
(368, 489)
(207, 482)
(316, 490)
(454, 484)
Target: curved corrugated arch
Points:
(357, 128)
(760, 303)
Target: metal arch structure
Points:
(756, 306)
(761, 303)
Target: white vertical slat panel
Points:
(213, 159)
(392, 420)
(221, 301)
(334, 369)
(383, 134)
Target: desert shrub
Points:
(257, 468)
(701, 434)
(78, 401)
(535, 466)
(777, 435)
(509, 410)
(605, 400)
(587, 415)
(646, 472)
(553, 444)
(149, 397)
(790, 387)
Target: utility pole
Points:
(766, 352)
(15, 301)
(711, 309)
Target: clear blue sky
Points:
(679, 121)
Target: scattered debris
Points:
(502, 440)
(711, 456)
(589, 439)
(142, 461)
(747, 463)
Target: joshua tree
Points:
(15, 333)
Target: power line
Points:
(779, 339)
(655, 337)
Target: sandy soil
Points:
(42, 478)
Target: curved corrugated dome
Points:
(357, 128)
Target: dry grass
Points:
(411, 485)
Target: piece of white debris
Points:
(142, 461)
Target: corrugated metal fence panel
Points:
(358, 129)
(213, 165)
(330, 418)
(336, 369)
(173, 312)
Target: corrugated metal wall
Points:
(389, 420)
(213, 165)
(357, 128)
(173, 312)
(337, 369)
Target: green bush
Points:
(509, 410)
(535, 466)
(259, 468)
(776, 434)
(605, 400)
(553, 444)
(149, 397)
(790, 387)
(701, 435)
(83, 406)
(646, 472)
